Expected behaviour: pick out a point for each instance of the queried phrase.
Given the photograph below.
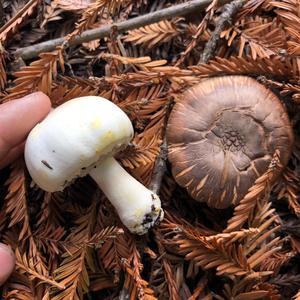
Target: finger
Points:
(12, 155)
(7, 262)
(18, 117)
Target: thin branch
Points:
(160, 163)
(121, 27)
(159, 168)
(225, 19)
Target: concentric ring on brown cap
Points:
(221, 136)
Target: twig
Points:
(121, 27)
(226, 17)
(160, 163)
(159, 168)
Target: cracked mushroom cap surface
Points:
(222, 134)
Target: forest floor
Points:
(143, 55)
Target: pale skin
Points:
(17, 118)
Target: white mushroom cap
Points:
(73, 138)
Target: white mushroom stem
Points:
(138, 207)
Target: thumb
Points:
(17, 118)
(7, 262)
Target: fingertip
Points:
(39, 100)
(7, 262)
(18, 117)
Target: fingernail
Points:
(7, 262)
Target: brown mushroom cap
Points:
(221, 136)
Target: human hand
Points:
(17, 118)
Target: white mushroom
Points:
(80, 137)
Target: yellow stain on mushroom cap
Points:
(96, 123)
(105, 140)
(108, 137)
